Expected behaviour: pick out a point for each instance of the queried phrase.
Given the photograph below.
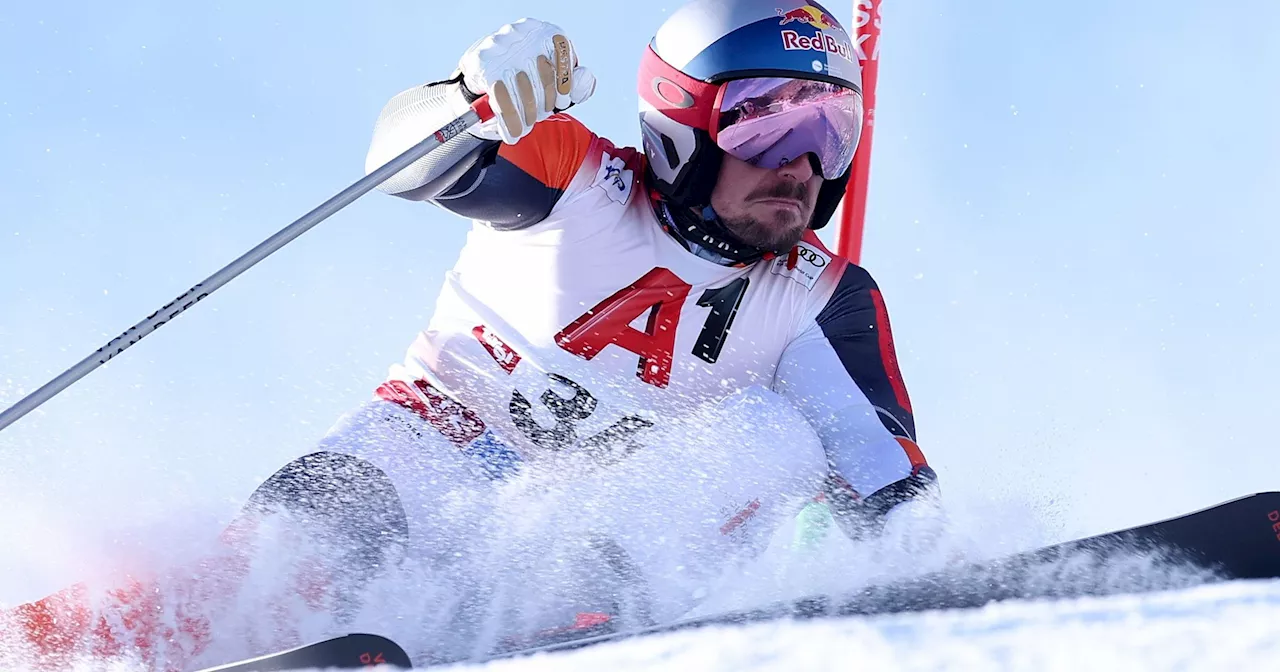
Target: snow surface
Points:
(1189, 626)
(1226, 626)
(1186, 625)
(1230, 626)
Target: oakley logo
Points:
(671, 93)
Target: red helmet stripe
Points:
(680, 97)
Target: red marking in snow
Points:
(742, 516)
(590, 619)
(585, 620)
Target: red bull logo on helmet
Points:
(793, 41)
(814, 17)
(808, 14)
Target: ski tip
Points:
(348, 652)
(371, 649)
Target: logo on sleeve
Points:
(803, 264)
(614, 178)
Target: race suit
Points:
(675, 410)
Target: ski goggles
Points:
(771, 121)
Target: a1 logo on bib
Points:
(803, 264)
(614, 178)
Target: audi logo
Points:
(811, 256)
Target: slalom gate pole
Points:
(867, 47)
(479, 112)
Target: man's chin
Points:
(779, 236)
(783, 246)
(778, 242)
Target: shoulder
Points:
(552, 152)
(593, 177)
(616, 171)
(813, 266)
(561, 149)
(543, 178)
(835, 291)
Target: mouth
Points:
(782, 203)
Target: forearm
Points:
(859, 516)
(872, 469)
(410, 117)
(843, 373)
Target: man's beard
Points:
(778, 237)
(784, 231)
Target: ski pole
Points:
(479, 112)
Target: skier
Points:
(647, 351)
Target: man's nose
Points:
(800, 169)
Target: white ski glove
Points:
(530, 71)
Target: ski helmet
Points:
(716, 63)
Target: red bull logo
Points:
(813, 17)
(793, 41)
(809, 15)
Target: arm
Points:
(510, 187)
(511, 171)
(842, 372)
(408, 118)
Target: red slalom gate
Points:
(867, 47)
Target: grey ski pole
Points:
(479, 112)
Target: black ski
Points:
(1239, 539)
(349, 652)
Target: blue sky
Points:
(1072, 215)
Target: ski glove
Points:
(530, 71)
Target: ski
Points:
(1239, 539)
(349, 652)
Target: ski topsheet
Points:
(1239, 539)
(348, 652)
